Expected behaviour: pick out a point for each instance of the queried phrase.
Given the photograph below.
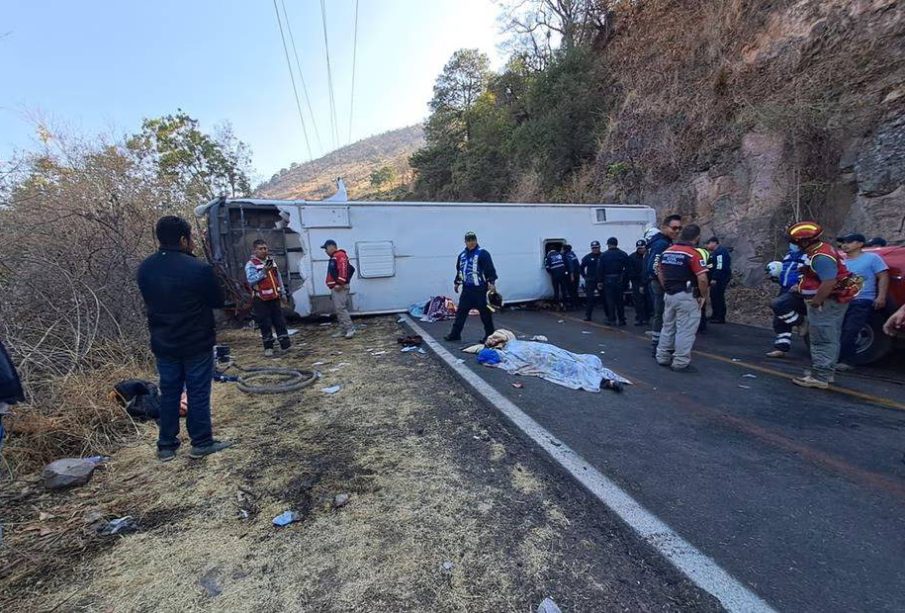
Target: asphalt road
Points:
(798, 493)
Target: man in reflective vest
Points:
(267, 287)
(475, 275)
(827, 289)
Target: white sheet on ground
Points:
(549, 362)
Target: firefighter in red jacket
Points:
(339, 276)
(267, 286)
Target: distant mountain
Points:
(316, 179)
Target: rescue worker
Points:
(589, 271)
(634, 275)
(268, 293)
(180, 295)
(707, 261)
(339, 277)
(555, 264)
(788, 307)
(573, 270)
(475, 275)
(613, 265)
(680, 273)
(827, 288)
(720, 276)
(872, 275)
(656, 245)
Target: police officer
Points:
(589, 271)
(555, 264)
(635, 274)
(720, 275)
(573, 270)
(611, 279)
(475, 274)
(789, 308)
(680, 273)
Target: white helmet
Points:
(774, 269)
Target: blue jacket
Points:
(10, 384)
(474, 268)
(655, 248)
(572, 263)
(790, 276)
(555, 264)
(180, 294)
(722, 264)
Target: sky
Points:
(100, 67)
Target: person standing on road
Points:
(573, 268)
(827, 287)
(789, 308)
(268, 293)
(635, 274)
(873, 275)
(475, 275)
(589, 269)
(656, 245)
(707, 261)
(555, 264)
(339, 277)
(681, 273)
(180, 295)
(614, 264)
(720, 276)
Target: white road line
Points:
(699, 568)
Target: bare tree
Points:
(540, 26)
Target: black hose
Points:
(292, 380)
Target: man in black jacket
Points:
(180, 293)
(634, 275)
(611, 279)
(10, 387)
(589, 266)
(719, 280)
(475, 275)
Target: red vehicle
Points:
(872, 343)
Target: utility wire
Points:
(329, 77)
(298, 65)
(298, 104)
(354, 56)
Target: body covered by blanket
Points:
(556, 365)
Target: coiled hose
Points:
(289, 380)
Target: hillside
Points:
(355, 163)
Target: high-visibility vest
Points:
(267, 288)
(847, 284)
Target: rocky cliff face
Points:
(746, 116)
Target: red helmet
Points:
(804, 231)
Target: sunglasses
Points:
(675, 228)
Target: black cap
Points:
(595, 244)
(877, 241)
(640, 243)
(853, 237)
(567, 247)
(713, 239)
(471, 236)
(612, 241)
(329, 243)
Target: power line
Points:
(354, 55)
(298, 65)
(329, 77)
(298, 104)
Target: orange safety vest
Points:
(847, 284)
(267, 288)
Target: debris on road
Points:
(518, 385)
(70, 472)
(285, 518)
(585, 332)
(749, 376)
(332, 389)
(539, 338)
(745, 387)
(122, 525)
(548, 606)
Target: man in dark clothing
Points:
(656, 245)
(555, 264)
(10, 387)
(720, 275)
(268, 294)
(573, 270)
(590, 265)
(611, 279)
(476, 275)
(180, 294)
(635, 274)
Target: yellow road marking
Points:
(886, 402)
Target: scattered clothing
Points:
(488, 357)
(438, 308)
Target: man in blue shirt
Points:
(720, 275)
(873, 275)
(475, 275)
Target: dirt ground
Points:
(449, 510)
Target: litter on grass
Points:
(332, 389)
(285, 518)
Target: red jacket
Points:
(339, 271)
